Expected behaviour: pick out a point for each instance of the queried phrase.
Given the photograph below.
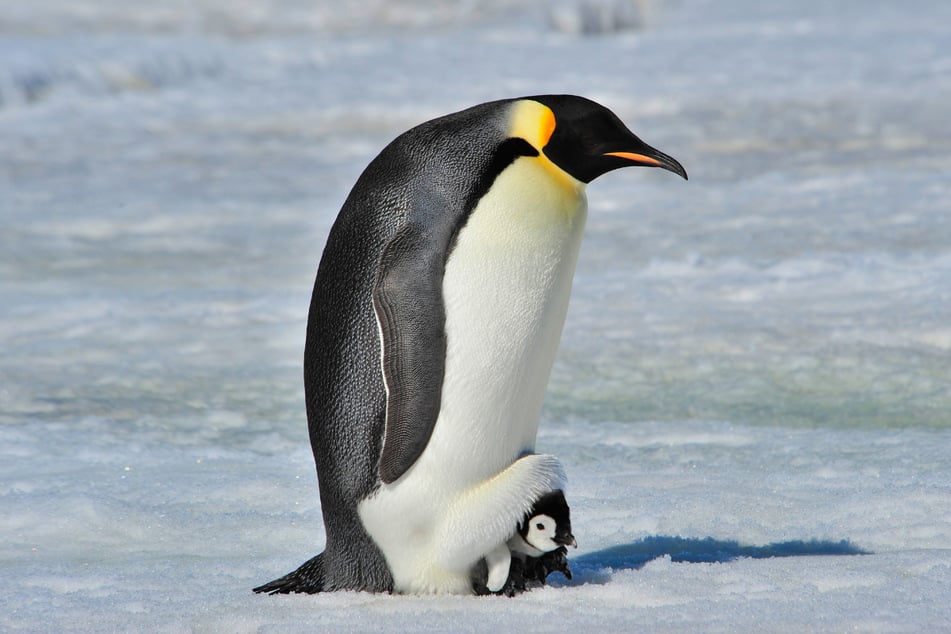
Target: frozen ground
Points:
(753, 396)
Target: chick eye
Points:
(540, 526)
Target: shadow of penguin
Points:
(596, 567)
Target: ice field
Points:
(753, 393)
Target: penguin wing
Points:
(407, 300)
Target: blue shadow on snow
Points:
(637, 554)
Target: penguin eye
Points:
(540, 526)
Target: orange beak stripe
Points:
(639, 158)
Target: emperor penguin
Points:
(434, 321)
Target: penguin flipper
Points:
(408, 302)
(309, 579)
(482, 517)
(498, 561)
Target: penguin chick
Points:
(545, 529)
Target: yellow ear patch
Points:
(533, 122)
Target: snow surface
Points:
(753, 395)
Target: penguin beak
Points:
(567, 540)
(652, 158)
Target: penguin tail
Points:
(309, 578)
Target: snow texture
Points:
(753, 394)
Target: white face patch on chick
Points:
(540, 532)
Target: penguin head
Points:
(539, 532)
(584, 138)
(548, 525)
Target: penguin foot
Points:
(515, 583)
(309, 578)
(525, 574)
(537, 569)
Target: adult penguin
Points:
(434, 322)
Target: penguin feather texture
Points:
(433, 327)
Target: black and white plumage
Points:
(434, 322)
(545, 529)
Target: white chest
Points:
(506, 288)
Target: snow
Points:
(753, 392)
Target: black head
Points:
(589, 140)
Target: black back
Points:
(424, 184)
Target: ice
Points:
(753, 392)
